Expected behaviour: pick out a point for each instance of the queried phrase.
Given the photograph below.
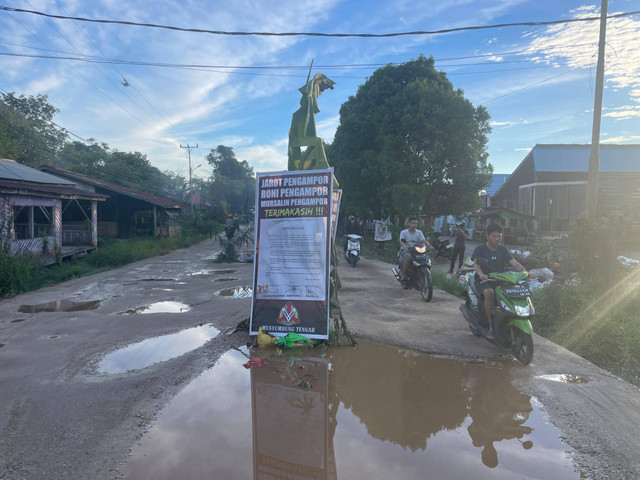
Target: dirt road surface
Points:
(62, 417)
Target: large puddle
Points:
(153, 350)
(159, 307)
(60, 306)
(373, 412)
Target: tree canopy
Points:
(233, 181)
(27, 132)
(409, 143)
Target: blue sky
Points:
(544, 94)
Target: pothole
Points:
(60, 306)
(158, 307)
(224, 272)
(225, 279)
(153, 350)
(237, 292)
(18, 320)
(365, 412)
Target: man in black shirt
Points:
(496, 256)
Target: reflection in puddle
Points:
(372, 412)
(159, 307)
(237, 292)
(60, 306)
(200, 273)
(154, 350)
(565, 378)
(225, 279)
(223, 272)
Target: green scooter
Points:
(511, 313)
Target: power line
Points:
(318, 34)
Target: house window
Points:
(32, 222)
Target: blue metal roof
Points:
(496, 182)
(12, 170)
(575, 158)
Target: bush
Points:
(17, 274)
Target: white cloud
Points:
(621, 139)
(266, 158)
(502, 124)
(575, 45)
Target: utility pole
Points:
(594, 156)
(189, 147)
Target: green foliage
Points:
(233, 180)
(200, 223)
(20, 274)
(408, 142)
(17, 274)
(27, 134)
(231, 248)
(599, 324)
(596, 245)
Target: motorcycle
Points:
(418, 273)
(511, 314)
(444, 248)
(353, 249)
(229, 232)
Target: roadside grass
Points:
(599, 324)
(24, 274)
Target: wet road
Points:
(86, 366)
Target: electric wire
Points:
(319, 34)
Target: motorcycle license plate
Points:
(517, 292)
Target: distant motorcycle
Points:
(511, 313)
(418, 273)
(353, 249)
(443, 248)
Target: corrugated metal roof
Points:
(48, 189)
(12, 170)
(496, 182)
(575, 158)
(153, 199)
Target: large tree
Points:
(409, 143)
(27, 132)
(233, 181)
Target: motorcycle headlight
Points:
(504, 305)
(421, 249)
(522, 311)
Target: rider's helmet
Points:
(460, 224)
(352, 217)
(229, 216)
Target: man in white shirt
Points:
(409, 238)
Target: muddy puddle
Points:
(236, 292)
(60, 306)
(373, 412)
(159, 307)
(159, 349)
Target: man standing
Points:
(409, 238)
(459, 246)
(497, 256)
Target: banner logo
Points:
(288, 315)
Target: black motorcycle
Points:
(443, 248)
(229, 232)
(418, 273)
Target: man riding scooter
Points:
(496, 256)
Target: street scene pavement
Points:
(69, 410)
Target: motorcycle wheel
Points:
(521, 346)
(353, 260)
(426, 285)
